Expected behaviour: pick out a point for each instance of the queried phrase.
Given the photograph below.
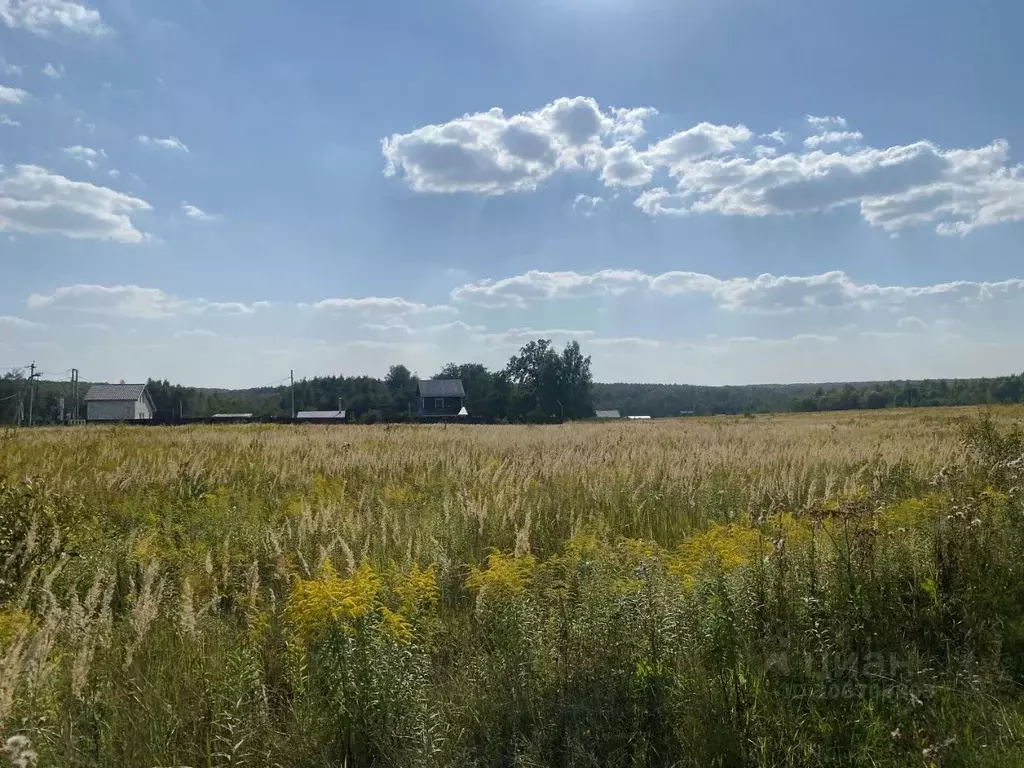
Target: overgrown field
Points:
(800, 590)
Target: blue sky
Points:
(700, 191)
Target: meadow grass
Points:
(829, 589)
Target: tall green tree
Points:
(548, 384)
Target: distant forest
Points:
(537, 383)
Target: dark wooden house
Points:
(441, 397)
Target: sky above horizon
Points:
(699, 191)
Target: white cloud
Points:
(713, 168)
(624, 166)
(5, 120)
(52, 72)
(11, 95)
(392, 306)
(766, 294)
(586, 204)
(198, 214)
(132, 301)
(395, 328)
(36, 201)
(8, 321)
(957, 190)
(491, 153)
(171, 142)
(516, 337)
(42, 17)
(703, 140)
(87, 155)
(832, 137)
(825, 123)
(11, 69)
(521, 290)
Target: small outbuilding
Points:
(327, 417)
(231, 418)
(118, 402)
(441, 397)
(612, 414)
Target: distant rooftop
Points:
(320, 415)
(442, 388)
(232, 416)
(639, 417)
(114, 392)
(612, 414)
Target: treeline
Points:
(678, 399)
(537, 384)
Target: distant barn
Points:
(441, 397)
(118, 402)
(613, 414)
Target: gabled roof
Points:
(613, 414)
(114, 392)
(320, 415)
(442, 388)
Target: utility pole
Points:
(74, 394)
(291, 375)
(32, 391)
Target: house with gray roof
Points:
(440, 397)
(118, 402)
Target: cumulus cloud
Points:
(586, 205)
(768, 294)
(133, 301)
(380, 306)
(522, 290)
(494, 153)
(957, 190)
(8, 321)
(516, 337)
(171, 142)
(6, 121)
(198, 214)
(42, 17)
(11, 95)
(53, 72)
(36, 201)
(832, 137)
(87, 155)
(825, 123)
(715, 168)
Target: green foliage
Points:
(785, 592)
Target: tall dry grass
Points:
(798, 590)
